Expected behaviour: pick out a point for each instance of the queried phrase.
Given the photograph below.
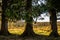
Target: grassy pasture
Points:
(39, 28)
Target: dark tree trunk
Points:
(53, 21)
(29, 21)
(28, 30)
(4, 21)
(4, 25)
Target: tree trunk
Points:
(29, 29)
(53, 21)
(29, 21)
(4, 21)
(4, 25)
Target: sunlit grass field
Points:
(14, 28)
(40, 30)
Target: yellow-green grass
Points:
(40, 30)
(15, 30)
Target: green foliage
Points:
(36, 11)
(39, 9)
(54, 4)
(16, 10)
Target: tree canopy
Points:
(16, 9)
(54, 4)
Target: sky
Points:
(46, 18)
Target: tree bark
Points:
(4, 21)
(29, 21)
(53, 21)
(4, 25)
(28, 30)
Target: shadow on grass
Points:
(17, 37)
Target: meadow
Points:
(43, 28)
(39, 28)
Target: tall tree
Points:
(54, 7)
(4, 21)
(29, 22)
(22, 9)
(32, 11)
(53, 21)
(9, 11)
